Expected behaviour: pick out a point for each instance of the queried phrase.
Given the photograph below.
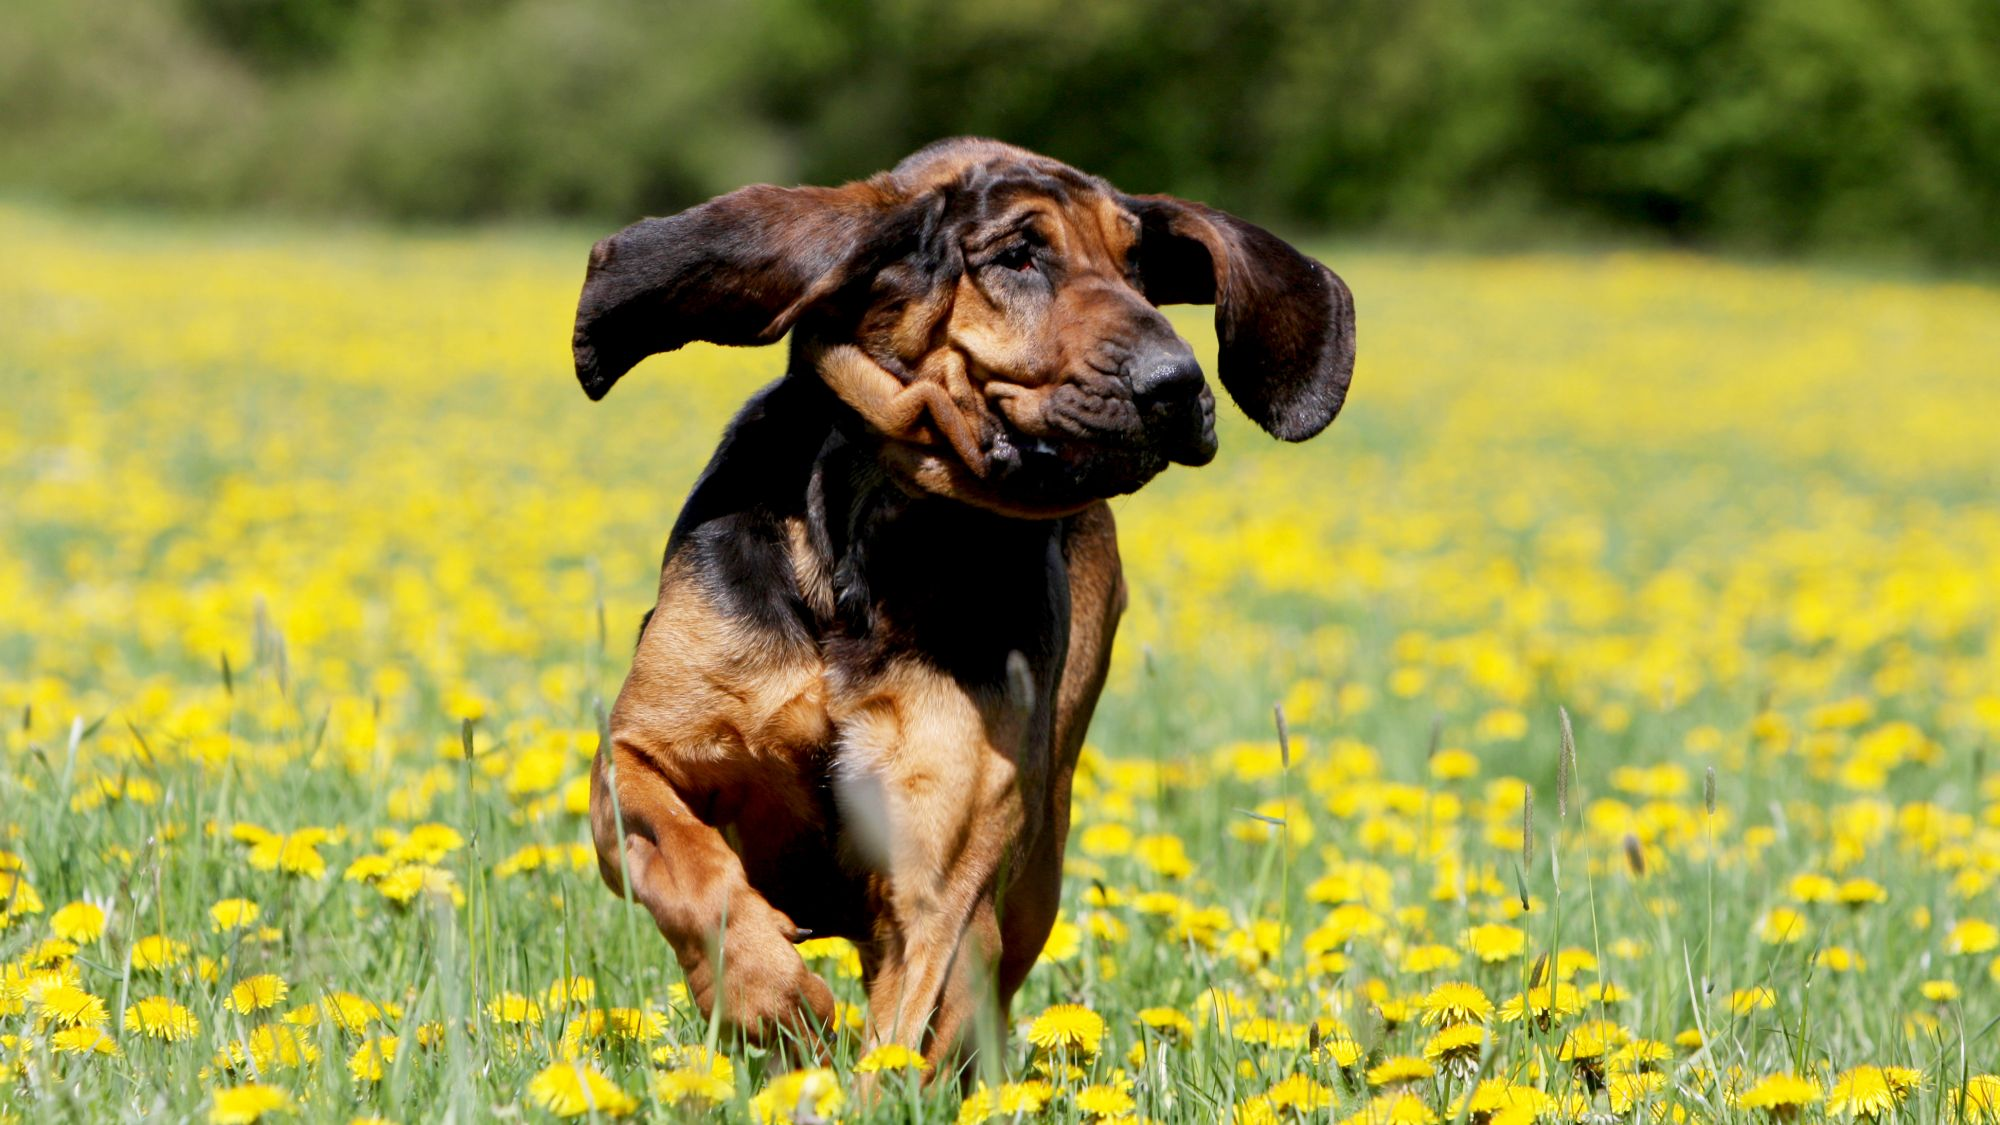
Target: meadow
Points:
(1636, 632)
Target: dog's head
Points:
(1025, 289)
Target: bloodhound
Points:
(886, 610)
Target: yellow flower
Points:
(157, 952)
(1495, 942)
(243, 1105)
(1870, 1091)
(1172, 1024)
(1972, 936)
(1782, 926)
(845, 958)
(800, 1094)
(1627, 1089)
(1393, 1108)
(514, 1008)
(1013, 1100)
(267, 1047)
(1065, 942)
(403, 884)
(1861, 892)
(1165, 854)
(891, 1056)
(573, 990)
(80, 922)
(695, 1075)
(1300, 1094)
(67, 1005)
(157, 1017)
(1453, 764)
(1456, 1002)
(572, 1089)
(369, 1061)
(1067, 1028)
(1543, 1003)
(1428, 958)
(1399, 1069)
(1939, 991)
(83, 1041)
(1105, 1103)
(233, 914)
(1780, 1095)
(1978, 1101)
(1454, 1044)
(1744, 1001)
(254, 994)
(1105, 840)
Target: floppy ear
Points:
(738, 269)
(1284, 323)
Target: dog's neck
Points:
(897, 565)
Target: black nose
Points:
(1167, 378)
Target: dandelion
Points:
(157, 953)
(1394, 1108)
(1861, 892)
(1978, 1100)
(891, 1057)
(233, 914)
(256, 993)
(1105, 1103)
(694, 1075)
(80, 922)
(1494, 942)
(1165, 854)
(1870, 1091)
(1013, 1100)
(1939, 991)
(1781, 926)
(244, 1105)
(1544, 1003)
(1300, 1095)
(1456, 1002)
(1626, 1090)
(83, 1040)
(1456, 1048)
(694, 1087)
(1744, 1001)
(66, 1005)
(1780, 1096)
(1067, 1029)
(1420, 959)
(572, 1089)
(157, 1017)
(1972, 936)
(369, 1061)
(798, 1096)
(1400, 1069)
(514, 1009)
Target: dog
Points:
(886, 611)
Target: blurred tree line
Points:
(1868, 126)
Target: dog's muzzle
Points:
(1176, 408)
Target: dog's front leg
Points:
(734, 947)
(929, 788)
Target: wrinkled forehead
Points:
(1013, 191)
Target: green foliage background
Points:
(1852, 126)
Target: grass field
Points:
(317, 564)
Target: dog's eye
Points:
(1019, 257)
